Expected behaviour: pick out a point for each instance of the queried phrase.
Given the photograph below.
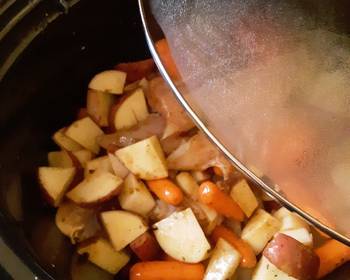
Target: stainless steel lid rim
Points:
(269, 189)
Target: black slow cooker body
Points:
(49, 50)
(49, 55)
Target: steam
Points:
(272, 80)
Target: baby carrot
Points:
(247, 253)
(212, 196)
(166, 190)
(168, 61)
(166, 270)
(332, 254)
(146, 247)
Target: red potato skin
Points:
(82, 113)
(98, 201)
(136, 70)
(78, 177)
(146, 247)
(46, 197)
(114, 110)
(98, 110)
(292, 257)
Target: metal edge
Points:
(270, 190)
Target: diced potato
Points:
(170, 130)
(260, 229)
(63, 159)
(145, 159)
(109, 81)
(85, 132)
(59, 159)
(81, 269)
(130, 110)
(55, 181)
(245, 198)
(135, 196)
(188, 184)
(98, 105)
(122, 227)
(200, 176)
(65, 142)
(83, 156)
(98, 164)
(213, 218)
(265, 270)
(101, 253)
(292, 257)
(207, 217)
(293, 221)
(223, 261)
(300, 234)
(281, 213)
(143, 83)
(96, 188)
(117, 166)
(181, 237)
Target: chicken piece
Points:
(161, 100)
(75, 222)
(199, 154)
(153, 125)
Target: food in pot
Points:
(138, 188)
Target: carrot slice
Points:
(166, 270)
(146, 247)
(167, 59)
(166, 190)
(136, 70)
(212, 196)
(247, 253)
(332, 254)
